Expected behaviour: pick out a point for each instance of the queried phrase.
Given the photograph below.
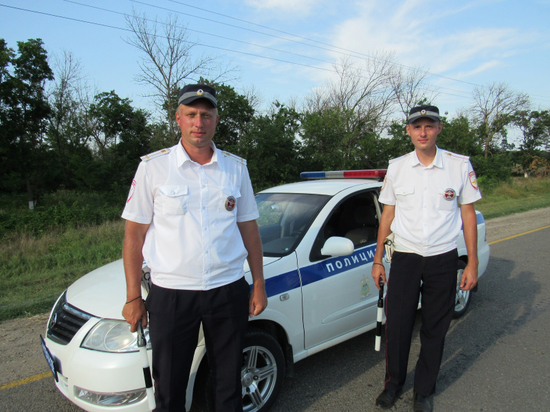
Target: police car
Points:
(319, 239)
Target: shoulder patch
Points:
(154, 155)
(397, 159)
(234, 157)
(455, 156)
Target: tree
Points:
(457, 136)
(535, 128)
(409, 88)
(168, 62)
(236, 116)
(271, 148)
(361, 89)
(493, 110)
(66, 133)
(24, 111)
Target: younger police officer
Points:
(428, 196)
(191, 214)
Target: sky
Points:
(282, 50)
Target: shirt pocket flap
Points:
(173, 190)
(407, 190)
(231, 191)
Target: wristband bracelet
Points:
(130, 301)
(376, 263)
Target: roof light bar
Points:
(346, 174)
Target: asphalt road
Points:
(496, 357)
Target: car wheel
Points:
(462, 298)
(262, 375)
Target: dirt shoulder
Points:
(21, 355)
(506, 226)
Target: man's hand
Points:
(378, 273)
(258, 300)
(469, 277)
(135, 312)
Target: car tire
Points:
(262, 375)
(462, 297)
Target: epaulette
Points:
(234, 157)
(399, 158)
(154, 155)
(455, 156)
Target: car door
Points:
(339, 295)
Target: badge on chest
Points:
(449, 194)
(230, 203)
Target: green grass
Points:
(37, 268)
(520, 195)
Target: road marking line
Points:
(521, 234)
(26, 380)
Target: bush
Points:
(61, 210)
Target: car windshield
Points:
(284, 219)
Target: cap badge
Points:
(423, 112)
(200, 92)
(449, 194)
(230, 203)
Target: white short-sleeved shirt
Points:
(426, 198)
(193, 241)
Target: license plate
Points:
(49, 358)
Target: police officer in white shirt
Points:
(191, 215)
(428, 196)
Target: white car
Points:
(319, 239)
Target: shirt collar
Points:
(437, 162)
(183, 157)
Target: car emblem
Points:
(200, 92)
(53, 321)
(230, 203)
(449, 194)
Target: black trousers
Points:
(175, 317)
(435, 277)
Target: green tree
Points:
(271, 148)
(457, 136)
(24, 111)
(121, 135)
(236, 115)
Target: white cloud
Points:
(290, 6)
(422, 34)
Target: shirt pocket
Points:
(404, 196)
(229, 197)
(174, 199)
(446, 200)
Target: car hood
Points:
(102, 292)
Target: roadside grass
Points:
(36, 268)
(519, 195)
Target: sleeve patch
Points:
(473, 180)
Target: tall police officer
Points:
(191, 214)
(428, 196)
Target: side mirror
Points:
(337, 246)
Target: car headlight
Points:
(113, 336)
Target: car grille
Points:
(66, 321)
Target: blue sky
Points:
(283, 49)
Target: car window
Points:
(356, 218)
(284, 219)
